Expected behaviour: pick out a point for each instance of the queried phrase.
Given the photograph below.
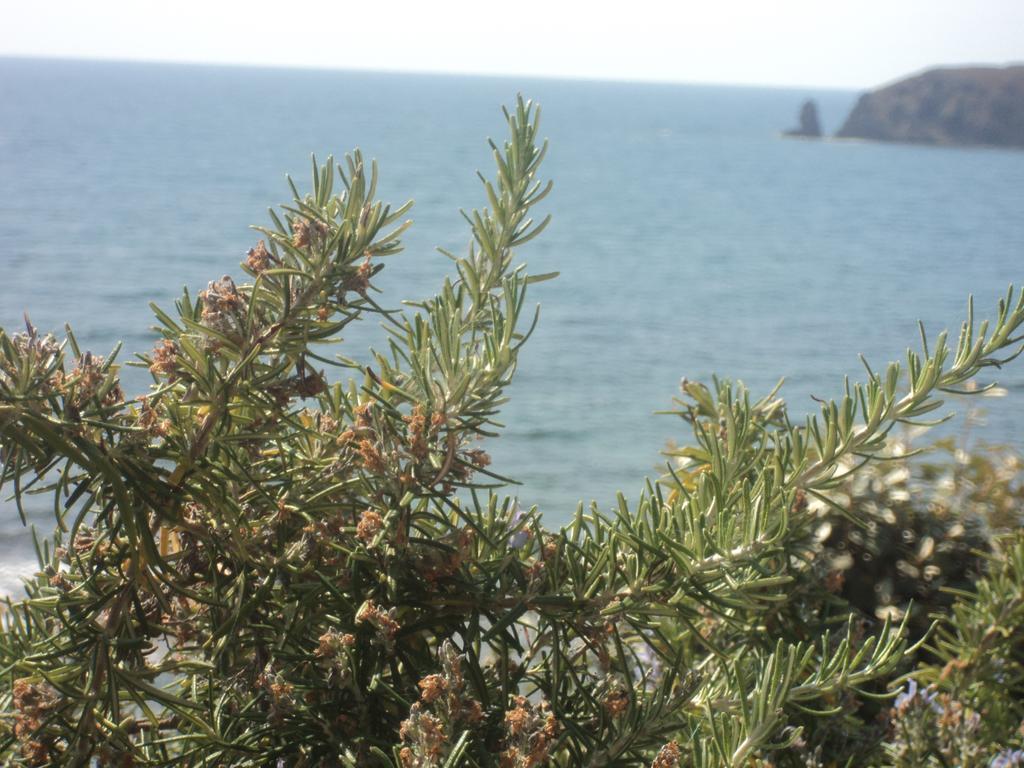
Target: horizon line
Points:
(433, 72)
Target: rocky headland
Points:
(966, 106)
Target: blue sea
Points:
(691, 238)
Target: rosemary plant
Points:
(967, 708)
(253, 566)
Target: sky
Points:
(811, 43)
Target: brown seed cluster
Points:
(85, 381)
(616, 701)
(42, 352)
(435, 563)
(667, 757)
(150, 421)
(443, 711)
(373, 454)
(473, 459)
(331, 643)
(381, 620)
(530, 731)
(60, 581)
(359, 281)
(31, 344)
(431, 688)
(281, 693)
(221, 296)
(222, 304)
(373, 461)
(84, 540)
(370, 524)
(258, 258)
(307, 232)
(799, 502)
(164, 359)
(326, 424)
(424, 736)
(478, 457)
(364, 415)
(416, 437)
(318, 535)
(33, 702)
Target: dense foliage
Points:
(255, 566)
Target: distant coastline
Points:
(946, 106)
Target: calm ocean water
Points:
(690, 237)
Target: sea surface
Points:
(691, 238)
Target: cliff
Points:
(957, 106)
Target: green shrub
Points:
(966, 707)
(912, 530)
(253, 566)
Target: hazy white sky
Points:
(775, 42)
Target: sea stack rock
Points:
(810, 126)
(968, 106)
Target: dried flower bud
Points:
(432, 687)
(667, 757)
(364, 415)
(478, 457)
(416, 438)
(306, 232)
(370, 524)
(372, 460)
(258, 258)
(33, 702)
(150, 421)
(222, 303)
(359, 281)
(300, 233)
(530, 731)
(425, 739)
(382, 621)
(615, 702)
